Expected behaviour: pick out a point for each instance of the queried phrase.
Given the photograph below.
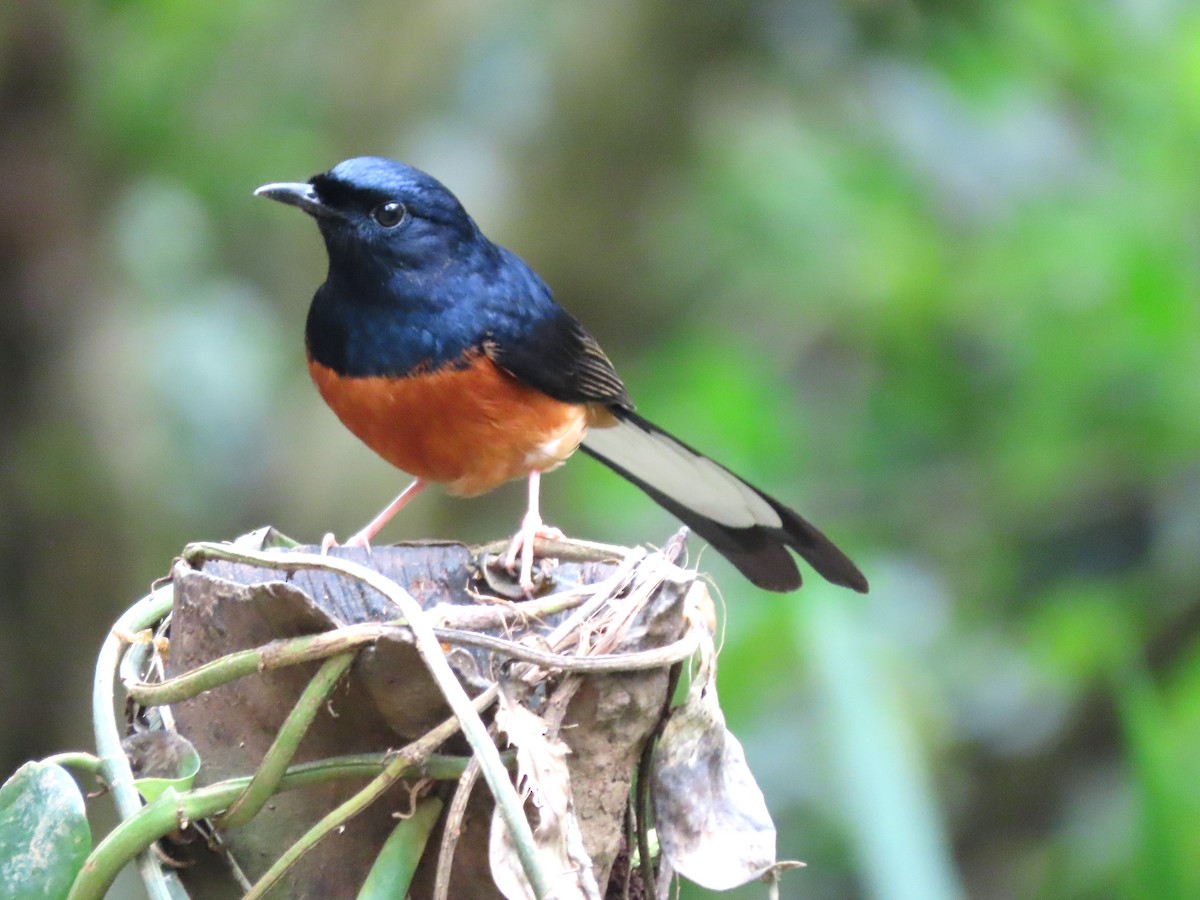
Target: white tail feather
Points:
(686, 477)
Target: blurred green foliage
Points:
(927, 270)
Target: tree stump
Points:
(388, 698)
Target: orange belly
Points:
(470, 429)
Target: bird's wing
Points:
(556, 355)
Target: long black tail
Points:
(750, 529)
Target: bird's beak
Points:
(300, 194)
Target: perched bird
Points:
(448, 356)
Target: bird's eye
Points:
(389, 214)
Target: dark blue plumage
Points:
(449, 356)
(390, 307)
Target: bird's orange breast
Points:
(470, 428)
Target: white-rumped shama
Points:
(448, 356)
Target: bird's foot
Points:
(532, 528)
(328, 542)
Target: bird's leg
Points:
(532, 528)
(368, 531)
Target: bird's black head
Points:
(378, 215)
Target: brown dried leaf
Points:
(711, 817)
(541, 761)
(543, 779)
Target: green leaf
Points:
(265, 538)
(392, 872)
(887, 792)
(1164, 855)
(44, 833)
(162, 759)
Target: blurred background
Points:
(926, 270)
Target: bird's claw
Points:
(532, 528)
(328, 542)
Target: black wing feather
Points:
(557, 356)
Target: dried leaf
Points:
(541, 762)
(543, 779)
(711, 817)
(666, 880)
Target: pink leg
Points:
(364, 536)
(532, 528)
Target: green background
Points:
(926, 270)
